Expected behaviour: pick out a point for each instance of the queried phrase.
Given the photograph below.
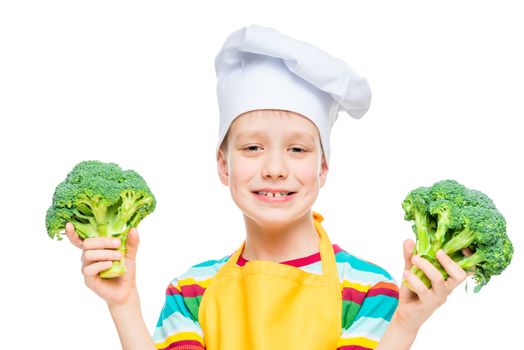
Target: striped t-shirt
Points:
(369, 299)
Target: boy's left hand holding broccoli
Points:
(415, 307)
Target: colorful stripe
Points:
(354, 295)
(361, 265)
(380, 306)
(185, 345)
(385, 289)
(362, 342)
(180, 339)
(370, 328)
(173, 304)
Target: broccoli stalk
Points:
(459, 241)
(424, 237)
(451, 217)
(100, 200)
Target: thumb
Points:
(409, 247)
(72, 235)
(132, 243)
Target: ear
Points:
(323, 171)
(222, 167)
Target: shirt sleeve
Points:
(364, 326)
(177, 327)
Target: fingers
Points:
(407, 290)
(467, 252)
(91, 256)
(132, 243)
(456, 274)
(440, 287)
(409, 246)
(431, 297)
(98, 255)
(100, 243)
(72, 235)
(432, 273)
(92, 270)
(416, 284)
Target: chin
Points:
(274, 217)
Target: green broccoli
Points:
(451, 217)
(100, 200)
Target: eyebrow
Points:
(292, 135)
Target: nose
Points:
(275, 166)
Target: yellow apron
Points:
(265, 305)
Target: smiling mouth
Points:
(274, 194)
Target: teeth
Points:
(277, 194)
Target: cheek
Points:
(240, 172)
(307, 172)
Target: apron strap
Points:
(327, 256)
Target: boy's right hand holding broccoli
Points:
(100, 205)
(98, 254)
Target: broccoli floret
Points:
(416, 209)
(100, 200)
(451, 217)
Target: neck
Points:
(282, 242)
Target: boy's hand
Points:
(415, 308)
(97, 255)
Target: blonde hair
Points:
(225, 143)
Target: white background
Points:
(134, 83)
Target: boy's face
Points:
(273, 150)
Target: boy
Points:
(287, 286)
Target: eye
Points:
(297, 150)
(251, 148)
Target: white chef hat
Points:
(261, 68)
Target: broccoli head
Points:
(100, 200)
(451, 217)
